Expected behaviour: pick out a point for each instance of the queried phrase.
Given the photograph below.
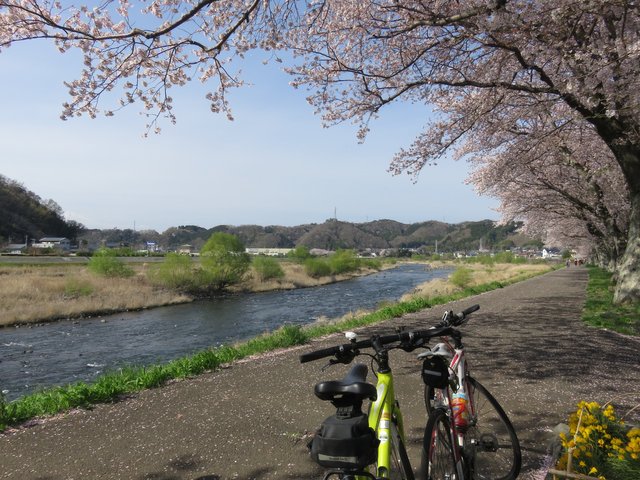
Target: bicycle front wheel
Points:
(438, 457)
(400, 467)
(491, 446)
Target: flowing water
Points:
(68, 351)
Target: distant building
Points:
(550, 253)
(185, 249)
(270, 252)
(55, 243)
(14, 249)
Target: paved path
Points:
(252, 420)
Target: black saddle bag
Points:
(347, 443)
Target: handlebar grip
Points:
(471, 309)
(459, 318)
(318, 354)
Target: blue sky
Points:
(274, 165)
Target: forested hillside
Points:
(332, 235)
(24, 214)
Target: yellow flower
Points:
(593, 470)
(582, 464)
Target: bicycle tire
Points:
(491, 446)
(438, 458)
(488, 465)
(430, 398)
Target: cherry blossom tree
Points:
(478, 61)
(565, 184)
(473, 61)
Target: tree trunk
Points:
(628, 274)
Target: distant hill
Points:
(25, 214)
(333, 234)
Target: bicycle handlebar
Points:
(412, 337)
(458, 318)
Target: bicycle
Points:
(468, 434)
(351, 442)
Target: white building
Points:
(55, 243)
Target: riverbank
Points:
(38, 293)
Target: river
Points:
(64, 352)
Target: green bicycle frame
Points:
(385, 418)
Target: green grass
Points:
(599, 309)
(115, 385)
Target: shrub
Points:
(317, 267)
(224, 261)
(461, 277)
(344, 261)
(176, 271)
(300, 254)
(267, 268)
(372, 263)
(104, 262)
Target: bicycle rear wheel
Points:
(438, 457)
(491, 446)
(434, 398)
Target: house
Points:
(550, 253)
(54, 243)
(14, 249)
(185, 249)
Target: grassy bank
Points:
(39, 293)
(599, 309)
(45, 292)
(114, 385)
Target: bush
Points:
(176, 271)
(343, 261)
(375, 264)
(104, 262)
(461, 277)
(317, 267)
(300, 254)
(224, 261)
(267, 268)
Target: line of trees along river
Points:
(69, 351)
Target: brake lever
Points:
(331, 363)
(410, 345)
(341, 357)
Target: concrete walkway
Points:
(252, 420)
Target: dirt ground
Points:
(252, 420)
